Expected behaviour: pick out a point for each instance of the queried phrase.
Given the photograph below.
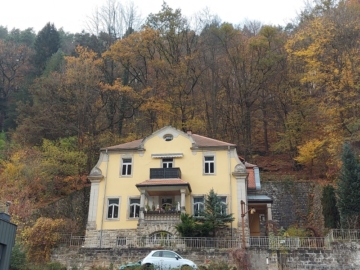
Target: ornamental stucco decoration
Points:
(96, 172)
(240, 168)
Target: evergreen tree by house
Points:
(329, 208)
(348, 190)
(189, 227)
(215, 213)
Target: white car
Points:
(166, 260)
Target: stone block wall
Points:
(295, 203)
(86, 258)
(340, 256)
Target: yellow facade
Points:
(188, 152)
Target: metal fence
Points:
(337, 235)
(274, 242)
(280, 242)
(196, 243)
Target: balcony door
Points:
(166, 202)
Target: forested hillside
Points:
(290, 91)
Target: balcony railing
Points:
(163, 216)
(164, 173)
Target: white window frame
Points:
(223, 201)
(108, 205)
(166, 161)
(128, 165)
(193, 203)
(209, 162)
(131, 204)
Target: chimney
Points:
(7, 207)
(189, 132)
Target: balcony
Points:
(162, 216)
(165, 173)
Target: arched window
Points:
(134, 208)
(160, 237)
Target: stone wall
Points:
(295, 203)
(86, 258)
(340, 256)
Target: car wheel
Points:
(147, 266)
(186, 267)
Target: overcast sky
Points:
(72, 15)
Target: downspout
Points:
(230, 193)
(104, 199)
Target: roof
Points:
(200, 141)
(251, 178)
(133, 145)
(259, 198)
(163, 182)
(168, 184)
(203, 141)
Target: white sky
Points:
(72, 14)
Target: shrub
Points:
(18, 258)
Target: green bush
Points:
(18, 258)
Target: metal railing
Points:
(196, 243)
(343, 235)
(280, 242)
(164, 173)
(274, 242)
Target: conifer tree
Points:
(329, 208)
(215, 213)
(348, 190)
(47, 43)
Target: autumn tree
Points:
(249, 63)
(42, 238)
(325, 50)
(14, 67)
(177, 68)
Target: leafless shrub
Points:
(241, 258)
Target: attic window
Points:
(168, 137)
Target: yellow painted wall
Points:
(191, 165)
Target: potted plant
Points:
(147, 207)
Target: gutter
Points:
(104, 199)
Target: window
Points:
(209, 165)
(113, 209)
(167, 163)
(134, 208)
(126, 166)
(157, 254)
(198, 206)
(169, 254)
(223, 205)
(120, 241)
